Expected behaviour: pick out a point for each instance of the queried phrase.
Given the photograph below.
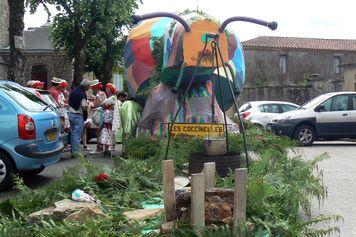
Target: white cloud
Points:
(303, 18)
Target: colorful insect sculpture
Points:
(172, 61)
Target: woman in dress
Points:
(110, 90)
(106, 137)
(95, 113)
(62, 107)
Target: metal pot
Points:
(215, 146)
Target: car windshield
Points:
(24, 98)
(50, 100)
(314, 101)
(245, 107)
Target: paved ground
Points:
(55, 171)
(340, 178)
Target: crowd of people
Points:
(93, 109)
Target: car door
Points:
(287, 107)
(334, 118)
(353, 115)
(8, 121)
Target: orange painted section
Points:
(143, 30)
(193, 44)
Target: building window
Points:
(336, 65)
(283, 63)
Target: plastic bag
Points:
(81, 196)
(97, 116)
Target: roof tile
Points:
(300, 43)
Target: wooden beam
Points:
(198, 200)
(168, 189)
(209, 172)
(240, 199)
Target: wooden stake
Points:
(209, 172)
(168, 189)
(198, 200)
(240, 198)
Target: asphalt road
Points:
(339, 173)
(55, 171)
(339, 176)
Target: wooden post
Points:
(240, 199)
(209, 172)
(198, 200)
(168, 189)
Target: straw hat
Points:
(86, 82)
(56, 80)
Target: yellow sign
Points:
(200, 130)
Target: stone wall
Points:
(298, 94)
(4, 34)
(262, 66)
(54, 62)
(309, 73)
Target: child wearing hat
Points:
(54, 90)
(106, 137)
(35, 84)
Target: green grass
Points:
(279, 189)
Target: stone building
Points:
(295, 69)
(349, 71)
(42, 61)
(4, 34)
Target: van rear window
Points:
(24, 98)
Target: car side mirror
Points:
(320, 108)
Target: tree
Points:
(16, 27)
(106, 48)
(78, 22)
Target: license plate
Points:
(51, 136)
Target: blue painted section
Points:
(159, 29)
(239, 63)
(129, 57)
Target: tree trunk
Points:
(16, 27)
(79, 57)
(108, 63)
(107, 70)
(79, 65)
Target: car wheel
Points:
(6, 170)
(259, 126)
(32, 172)
(305, 134)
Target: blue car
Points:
(29, 133)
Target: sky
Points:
(302, 18)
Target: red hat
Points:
(35, 84)
(63, 84)
(96, 86)
(111, 87)
(38, 85)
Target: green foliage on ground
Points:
(280, 192)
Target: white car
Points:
(329, 116)
(262, 112)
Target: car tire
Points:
(6, 170)
(31, 173)
(259, 126)
(305, 135)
